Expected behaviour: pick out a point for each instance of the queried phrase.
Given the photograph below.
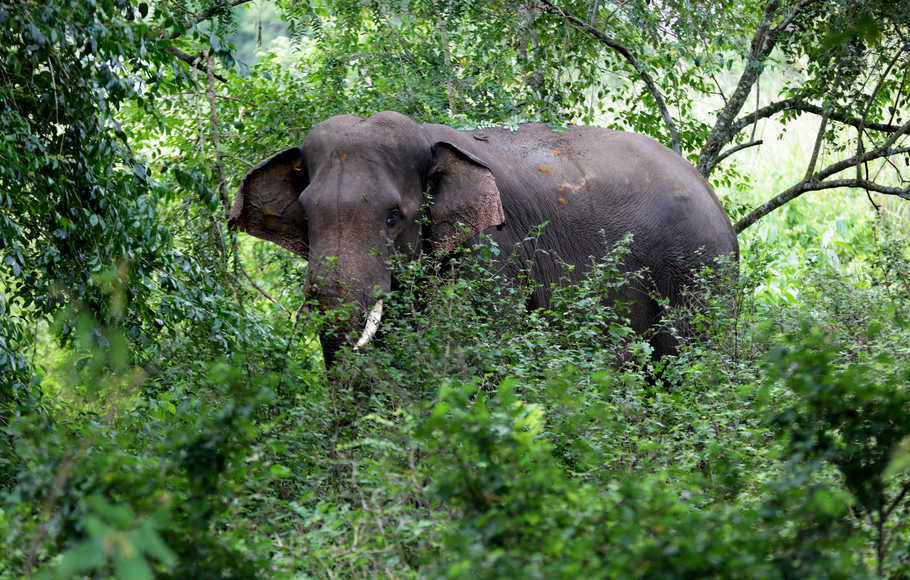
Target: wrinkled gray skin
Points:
(354, 193)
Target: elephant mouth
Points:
(372, 325)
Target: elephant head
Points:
(355, 192)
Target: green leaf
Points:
(87, 556)
(280, 471)
(130, 565)
(900, 459)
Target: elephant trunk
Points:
(333, 339)
(349, 288)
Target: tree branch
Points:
(862, 125)
(630, 58)
(819, 137)
(763, 42)
(175, 34)
(738, 148)
(446, 57)
(817, 181)
(193, 61)
(804, 186)
(216, 133)
(240, 159)
(798, 104)
(264, 293)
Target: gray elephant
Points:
(359, 189)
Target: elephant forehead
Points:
(352, 184)
(386, 136)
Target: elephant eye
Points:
(395, 216)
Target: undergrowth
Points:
(477, 438)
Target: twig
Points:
(527, 14)
(896, 529)
(798, 104)
(404, 50)
(240, 159)
(263, 292)
(757, 99)
(862, 124)
(594, 10)
(763, 42)
(737, 148)
(897, 97)
(819, 137)
(198, 102)
(219, 166)
(897, 500)
(446, 57)
(630, 58)
(191, 60)
(816, 182)
(197, 18)
(880, 545)
(60, 478)
(720, 90)
(216, 133)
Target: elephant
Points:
(360, 189)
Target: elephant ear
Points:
(466, 200)
(267, 206)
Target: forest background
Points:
(164, 410)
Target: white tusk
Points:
(372, 325)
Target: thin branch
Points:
(880, 546)
(894, 504)
(798, 104)
(738, 148)
(788, 20)
(371, 54)
(446, 57)
(872, 201)
(630, 58)
(720, 90)
(897, 97)
(240, 159)
(216, 133)
(819, 137)
(894, 166)
(264, 293)
(175, 34)
(197, 101)
(722, 132)
(763, 42)
(401, 43)
(406, 55)
(804, 186)
(859, 129)
(57, 483)
(817, 181)
(902, 192)
(757, 99)
(193, 61)
(897, 500)
(527, 14)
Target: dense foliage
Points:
(164, 410)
